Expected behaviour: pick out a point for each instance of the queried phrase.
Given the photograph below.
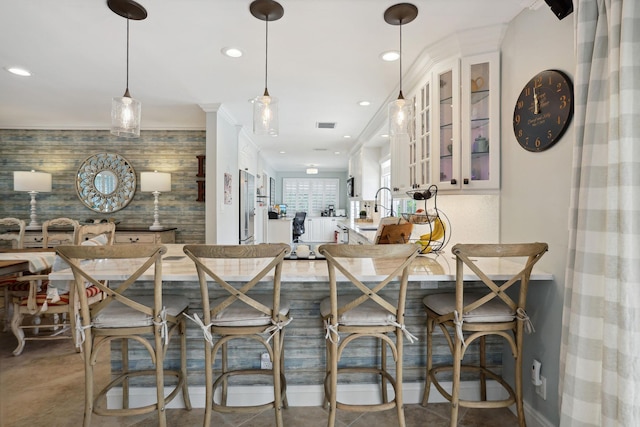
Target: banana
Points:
(436, 233)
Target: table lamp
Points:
(155, 182)
(33, 182)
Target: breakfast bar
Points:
(305, 284)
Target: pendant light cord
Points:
(400, 95)
(266, 55)
(127, 54)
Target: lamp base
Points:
(33, 227)
(156, 227)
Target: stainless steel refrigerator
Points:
(247, 208)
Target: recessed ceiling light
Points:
(232, 52)
(347, 136)
(390, 56)
(384, 135)
(282, 152)
(19, 71)
(364, 103)
(336, 153)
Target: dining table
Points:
(8, 267)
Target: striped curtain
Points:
(600, 352)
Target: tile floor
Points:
(45, 385)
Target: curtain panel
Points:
(600, 351)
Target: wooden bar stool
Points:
(242, 314)
(355, 310)
(124, 315)
(480, 313)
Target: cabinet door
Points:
(330, 227)
(480, 142)
(446, 148)
(423, 171)
(400, 184)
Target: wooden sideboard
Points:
(124, 236)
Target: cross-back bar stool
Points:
(148, 321)
(356, 310)
(471, 315)
(242, 311)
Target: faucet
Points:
(375, 207)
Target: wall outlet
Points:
(265, 361)
(541, 390)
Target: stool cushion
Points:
(493, 311)
(241, 314)
(367, 313)
(118, 315)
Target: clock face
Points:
(543, 110)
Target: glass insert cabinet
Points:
(455, 143)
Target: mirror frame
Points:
(93, 198)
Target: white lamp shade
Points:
(155, 181)
(125, 116)
(32, 181)
(265, 115)
(400, 117)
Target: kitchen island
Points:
(305, 284)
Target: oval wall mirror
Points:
(106, 182)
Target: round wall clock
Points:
(543, 110)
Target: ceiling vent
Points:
(326, 125)
(319, 149)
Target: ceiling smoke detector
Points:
(326, 125)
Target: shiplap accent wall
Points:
(61, 152)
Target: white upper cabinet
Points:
(364, 167)
(455, 140)
(400, 174)
(480, 133)
(455, 137)
(467, 141)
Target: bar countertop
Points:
(178, 267)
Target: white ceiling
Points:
(323, 60)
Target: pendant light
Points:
(125, 110)
(265, 107)
(400, 110)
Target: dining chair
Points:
(11, 231)
(35, 295)
(356, 310)
(130, 313)
(473, 314)
(89, 231)
(56, 232)
(249, 310)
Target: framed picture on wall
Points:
(272, 191)
(227, 188)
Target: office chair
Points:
(298, 225)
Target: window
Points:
(310, 195)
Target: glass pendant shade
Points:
(125, 116)
(126, 111)
(265, 107)
(400, 117)
(265, 115)
(400, 111)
